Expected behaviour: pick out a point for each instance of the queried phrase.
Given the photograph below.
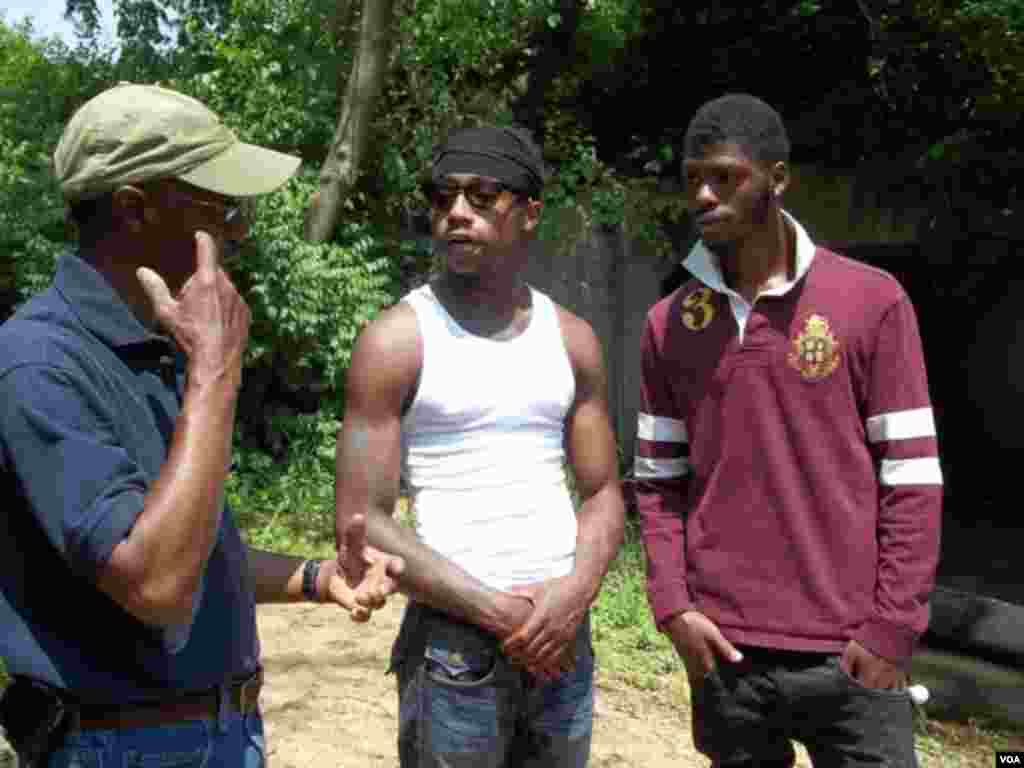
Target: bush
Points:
(625, 637)
(288, 507)
(309, 302)
(41, 82)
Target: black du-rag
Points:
(494, 152)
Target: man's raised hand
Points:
(208, 319)
(369, 574)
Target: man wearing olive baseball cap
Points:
(131, 134)
(126, 593)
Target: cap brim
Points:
(244, 170)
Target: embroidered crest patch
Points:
(816, 351)
(698, 309)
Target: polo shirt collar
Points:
(98, 306)
(704, 265)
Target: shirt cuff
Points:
(109, 523)
(893, 642)
(666, 603)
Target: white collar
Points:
(704, 265)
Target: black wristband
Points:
(310, 572)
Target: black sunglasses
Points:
(481, 194)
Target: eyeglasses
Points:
(235, 211)
(481, 194)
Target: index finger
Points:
(207, 257)
(355, 537)
(526, 633)
(352, 552)
(722, 646)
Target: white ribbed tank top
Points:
(482, 446)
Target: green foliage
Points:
(1011, 12)
(625, 638)
(309, 302)
(157, 37)
(140, 27)
(969, 56)
(587, 193)
(290, 507)
(806, 8)
(656, 214)
(29, 207)
(271, 73)
(605, 31)
(462, 38)
(41, 82)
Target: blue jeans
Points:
(462, 703)
(237, 742)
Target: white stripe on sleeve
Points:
(910, 472)
(660, 469)
(901, 425)
(660, 429)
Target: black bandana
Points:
(494, 152)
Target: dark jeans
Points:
(745, 714)
(236, 743)
(462, 703)
(44, 725)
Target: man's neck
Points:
(121, 276)
(494, 307)
(761, 262)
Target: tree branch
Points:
(351, 138)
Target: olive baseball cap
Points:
(134, 133)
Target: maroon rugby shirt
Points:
(789, 485)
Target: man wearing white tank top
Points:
(476, 389)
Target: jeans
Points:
(462, 703)
(745, 713)
(236, 742)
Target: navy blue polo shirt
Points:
(88, 404)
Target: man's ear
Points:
(780, 179)
(130, 208)
(532, 216)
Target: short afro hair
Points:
(742, 119)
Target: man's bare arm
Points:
(382, 379)
(590, 446)
(279, 578)
(154, 572)
(593, 456)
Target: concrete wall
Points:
(834, 209)
(605, 279)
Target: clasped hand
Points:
(545, 644)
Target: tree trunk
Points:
(349, 146)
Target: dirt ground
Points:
(328, 702)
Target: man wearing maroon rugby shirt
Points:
(789, 482)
